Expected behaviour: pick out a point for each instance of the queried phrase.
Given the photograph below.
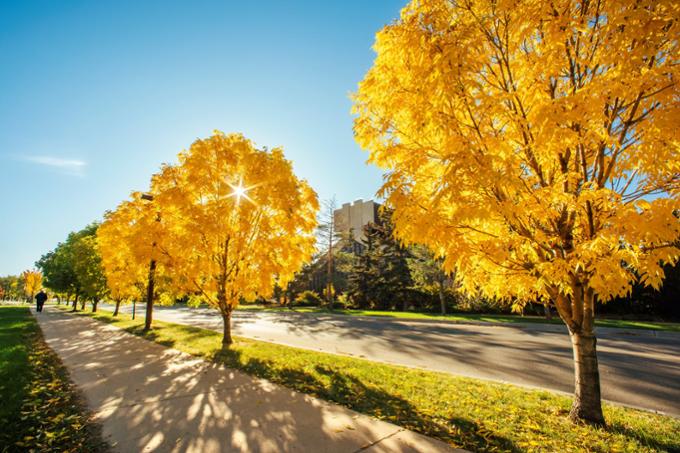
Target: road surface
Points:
(638, 368)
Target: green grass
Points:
(39, 410)
(468, 413)
(464, 317)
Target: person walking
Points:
(40, 299)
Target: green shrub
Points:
(308, 298)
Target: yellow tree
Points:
(235, 220)
(124, 243)
(32, 282)
(535, 146)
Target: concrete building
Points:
(352, 217)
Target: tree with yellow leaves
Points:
(534, 145)
(235, 220)
(32, 282)
(124, 242)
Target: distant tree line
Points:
(377, 272)
(73, 272)
(11, 287)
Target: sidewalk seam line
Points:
(376, 442)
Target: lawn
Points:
(40, 409)
(464, 317)
(468, 413)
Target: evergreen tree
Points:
(428, 275)
(381, 278)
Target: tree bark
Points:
(94, 305)
(149, 295)
(442, 297)
(587, 403)
(115, 311)
(578, 313)
(75, 303)
(226, 324)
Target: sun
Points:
(240, 191)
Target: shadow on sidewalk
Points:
(155, 399)
(257, 416)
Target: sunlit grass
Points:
(39, 410)
(469, 413)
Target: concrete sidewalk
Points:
(151, 398)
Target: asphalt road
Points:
(637, 368)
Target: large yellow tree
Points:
(534, 145)
(125, 241)
(32, 282)
(235, 220)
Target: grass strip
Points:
(468, 413)
(41, 410)
(464, 317)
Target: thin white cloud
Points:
(70, 166)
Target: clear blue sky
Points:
(96, 95)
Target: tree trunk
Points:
(329, 277)
(442, 296)
(149, 295)
(547, 311)
(577, 310)
(82, 304)
(587, 405)
(226, 324)
(94, 305)
(115, 311)
(75, 303)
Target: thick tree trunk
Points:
(94, 305)
(226, 324)
(587, 404)
(577, 310)
(149, 295)
(115, 311)
(82, 304)
(75, 303)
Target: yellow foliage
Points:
(32, 282)
(533, 144)
(233, 220)
(125, 241)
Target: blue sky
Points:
(96, 95)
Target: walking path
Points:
(151, 398)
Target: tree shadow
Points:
(346, 390)
(149, 397)
(327, 382)
(351, 392)
(641, 438)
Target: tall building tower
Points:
(354, 216)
